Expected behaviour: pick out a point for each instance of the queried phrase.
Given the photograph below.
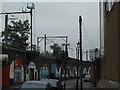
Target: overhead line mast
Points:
(39, 39)
(23, 12)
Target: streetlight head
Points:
(96, 49)
(32, 6)
(78, 43)
(80, 18)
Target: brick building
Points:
(110, 42)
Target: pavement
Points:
(16, 85)
(72, 84)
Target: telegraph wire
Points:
(61, 28)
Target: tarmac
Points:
(71, 84)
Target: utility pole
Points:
(65, 73)
(31, 26)
(45, 43)
(6, 28)
(66, 44)
(31, 9)
(77, 53)
(66, 49)
(81, 71)
(86, 55)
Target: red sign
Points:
(44, 65)
(18, 63)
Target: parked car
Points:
(35, 84)
(55, 84)
(87, 78)
(71, 76)
(65, 78)
(57, 76)
(77, 76)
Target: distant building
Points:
(109, 44)
(93, 53)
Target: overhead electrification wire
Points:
(87, 36)
(65, 26)
(56, 14)
(60, 28)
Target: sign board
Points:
(18, 75)
(44, 72)
(18, 64)
(18, 70)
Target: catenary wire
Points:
(86, 34)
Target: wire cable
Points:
(87, 36)
(65, 26)
(56, 14)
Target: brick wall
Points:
(111, 44)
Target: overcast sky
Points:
(61, 18)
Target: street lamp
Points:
(66, 49)
(31, 7)
(65, 55)
(95, 65)
(78, 44)
(77, 55)
(80, 40)
(77, 50)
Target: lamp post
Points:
(65, 73)
(66, 49)
(80, 37)
(65, 55)
(77, 54)
(31, 7)
(95, 66)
